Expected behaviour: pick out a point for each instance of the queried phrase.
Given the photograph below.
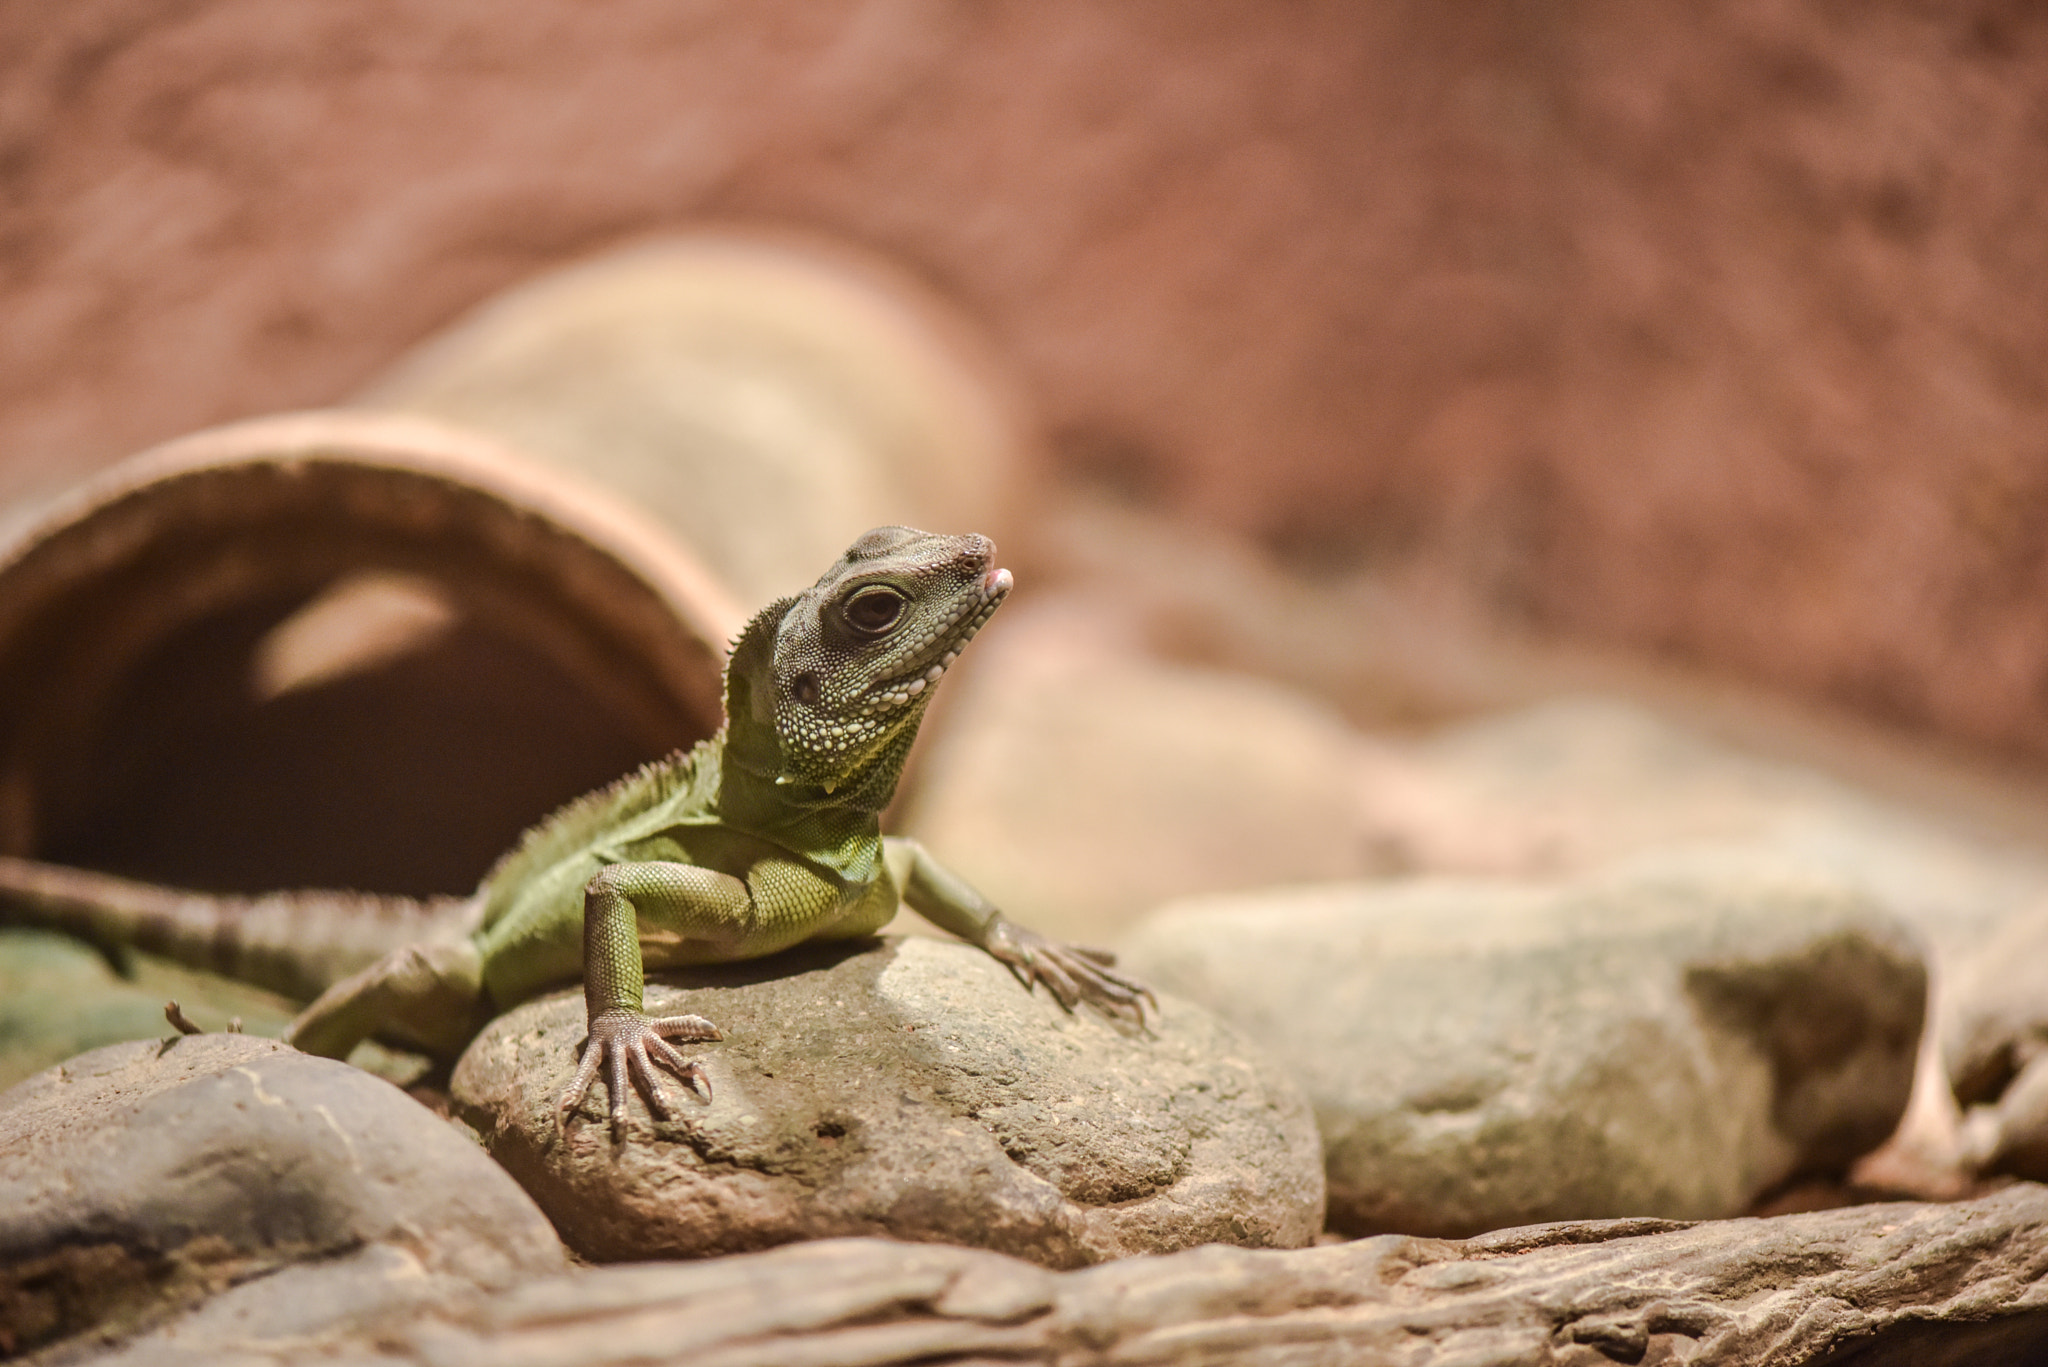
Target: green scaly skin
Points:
(762, 837)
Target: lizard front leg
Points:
(1072, 973)
(722, 916)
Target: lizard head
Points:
(854, 659)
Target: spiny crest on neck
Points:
(837, 677)
(572, 826)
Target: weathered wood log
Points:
(1865, 1285)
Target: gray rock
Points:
(1880, 1286)
(1669, 1040)
(1574, 784)
(913, 1089)
(295, 1193)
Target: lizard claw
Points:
(1072, 973)
(620, 1042)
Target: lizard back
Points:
(679, 783)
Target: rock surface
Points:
(1997, 1049)
(1878, 1286)
(1572, 784)
(2009, 1137)
(1669, 1040)
(912, 1089)
(291, 1194)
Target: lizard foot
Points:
(1072, 973)
(620, 1041)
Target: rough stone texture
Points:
(1669, 1040)
(1962, 1285)
(145, 1177)
(1662, 314)
(1574, 783)
(911, 1089)
(1078, 783)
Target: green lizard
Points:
(766, 835)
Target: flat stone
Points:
(1671, 1039)
(279, 1192)
(910, 1088)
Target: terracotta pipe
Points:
(337, 648)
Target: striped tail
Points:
(296, 943)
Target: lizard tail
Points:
(295, 943)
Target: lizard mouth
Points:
(943, 643)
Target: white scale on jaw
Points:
(994, 588)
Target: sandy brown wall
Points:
(1711, 328)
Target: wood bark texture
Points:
(1866, 1285)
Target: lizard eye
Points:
(874, 610)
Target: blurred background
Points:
(1500, 438)
(1710, 332)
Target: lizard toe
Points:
(627, 1047)
(615, 1083)
(692, 1074)
(1112, 990)
(685, 1028)
(579, 1086)
(1050, 971)
(646, 1080)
